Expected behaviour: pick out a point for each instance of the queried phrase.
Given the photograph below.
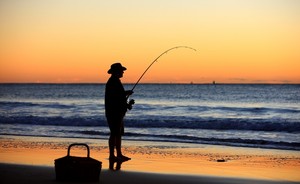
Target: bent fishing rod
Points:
(155, 60)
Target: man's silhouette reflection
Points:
(118, 164)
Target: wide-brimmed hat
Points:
(116, 67)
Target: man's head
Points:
(116, 69)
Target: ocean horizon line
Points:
(143, 83)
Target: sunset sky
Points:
(69, 41)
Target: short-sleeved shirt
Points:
(115, 103)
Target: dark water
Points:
(265, 116)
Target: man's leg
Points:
(119, 151)
(118, 145)
(111, 144)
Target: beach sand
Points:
(31, 160)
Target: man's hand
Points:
(130, 103)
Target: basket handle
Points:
(79, 144)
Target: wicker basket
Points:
(71, 168)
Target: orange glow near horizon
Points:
(66, 41)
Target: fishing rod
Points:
(131, 102)
(165, 52)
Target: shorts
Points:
(116, 126)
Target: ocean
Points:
(246, 115)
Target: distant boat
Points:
(214, 82)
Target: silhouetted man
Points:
(115, 109)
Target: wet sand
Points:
(32, 160)
(16, 174)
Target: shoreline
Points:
(161, 158)
(157, 141)
(147, 83)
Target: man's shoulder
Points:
(113, 79)
(113, 82)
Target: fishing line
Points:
(165, 52)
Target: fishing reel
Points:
(130, 103)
